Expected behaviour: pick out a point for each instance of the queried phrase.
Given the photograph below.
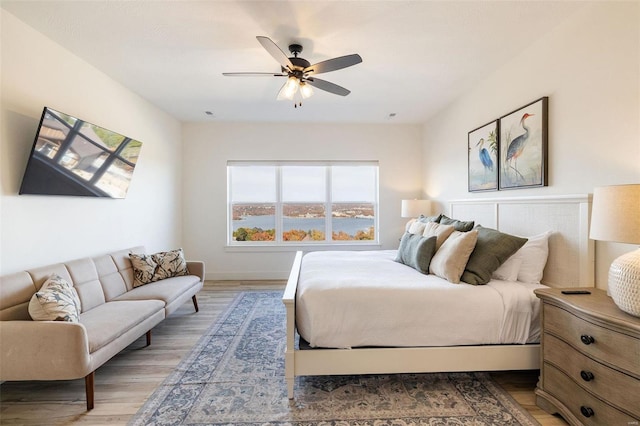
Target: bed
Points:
(570, 263)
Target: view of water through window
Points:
(302, 213)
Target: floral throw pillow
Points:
(144, 269)
(170, 264)
(56, 300)
(158, 266)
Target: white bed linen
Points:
(365, 298)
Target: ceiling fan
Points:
(299, 72)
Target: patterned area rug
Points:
(235, 376)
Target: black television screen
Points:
(73, 157)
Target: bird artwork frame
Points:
(483, 149)
(524, 146)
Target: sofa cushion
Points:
(56, 300)
(123, 263)
(166, 290)
(15, 293)
(107, 322)
(86, 282)
(113, 284)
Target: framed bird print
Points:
(523, 146)
(483, 158)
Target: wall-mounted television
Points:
(74, 157)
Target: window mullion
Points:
(328, 211)
(279, 209)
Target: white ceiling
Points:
(418, 56)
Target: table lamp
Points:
(414, 208)
(615, 216)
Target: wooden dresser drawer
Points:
(577, 400)
(618, 389)
(615, 348)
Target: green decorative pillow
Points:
(458, 225)
(56, 300)
(492, 249)
(425, 219)
(158, 266)
(416, 251)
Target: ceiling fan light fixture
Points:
(298, 70)
(289, 89)
(306, 91)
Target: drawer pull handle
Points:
(586, 411)
(587, 376)
(587, 340)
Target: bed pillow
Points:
(508, 271)
(450, 260)
(492, 249)
(56, 300)
(416, 251)
(534, 258)
(441, 232)
(528, 262)
(416, 227)
(458, 225)
(425, 219)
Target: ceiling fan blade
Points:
(275, 51)
(333, 64)
(327, 86)
(253, 74)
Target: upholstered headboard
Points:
(571, 261)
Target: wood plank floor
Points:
(123, 384)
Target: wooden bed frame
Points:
(570, 264)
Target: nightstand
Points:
(590, 368)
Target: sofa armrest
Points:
(196, 267)
(43, 350)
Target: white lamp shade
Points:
(414, 208)
(615, 214)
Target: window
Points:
(302, 202)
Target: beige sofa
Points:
(114, 314)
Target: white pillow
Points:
(534, 255)
(408, 224)
(450, 260)
(527, 264)
(56, 300)
(508, 271)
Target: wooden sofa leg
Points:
(88, 383)
(195, 302)
(149, 338)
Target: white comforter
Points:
(365, 298)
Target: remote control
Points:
(575, 292)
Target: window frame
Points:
(328, 203)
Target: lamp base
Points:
(624, 282)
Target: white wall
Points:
(38, 230)
(208, 147)
(590, 68)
